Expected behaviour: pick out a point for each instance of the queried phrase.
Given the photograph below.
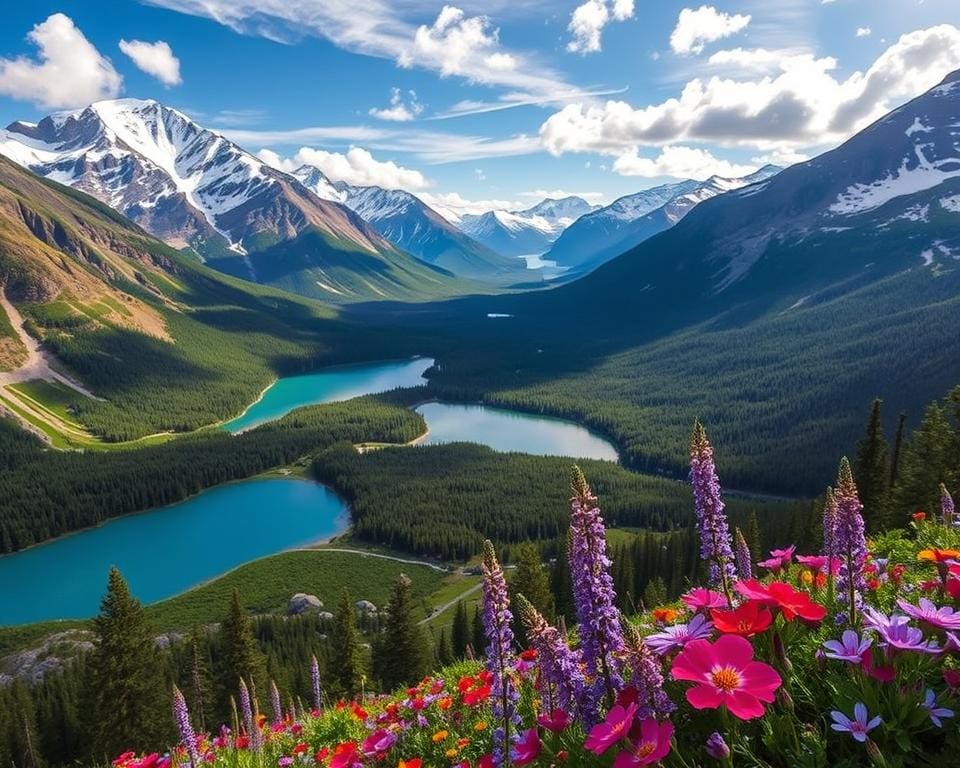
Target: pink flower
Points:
(617, 725)
(701, 598)
(378, 742)
(726, 675)
(819, 563)
(527, 749)
(555, 721)
(649, 742)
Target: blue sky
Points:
(501, 100)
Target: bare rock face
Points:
(52, 655)
(365, 606)
(302, 603)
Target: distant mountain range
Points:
(193, 188)
(527, 232)
(604, 234)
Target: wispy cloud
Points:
(513, 100)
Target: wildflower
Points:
(927, 612)
(439, 736)
(779, 594)
(315, 683)
(648, 742)
(819, 563)
(646, 682)
(665, 615)
(285, 762)
(883, 674)
(700, 598)
(747, 620)
(859, 726)
(601, 638)
(378, 743)
(742, 556)
(345, 755)
(187, 736)
(830, 512)
(895, 632)
(851, 544)
(275, 702)
(952, 678)
(919, 516)
(849, 648)
(715, 540)
(560, 674)
(527, 749)
(479, 726)
(678, 635)
(246, 707)
(946, 505)
(555, 721)
(497, 620)
(779, 559)
(413, 762)
(716, 747)
(726, 675)
(935, 712)
(616, 725)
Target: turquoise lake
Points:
(168, 550)
(505, 430)
(330, 386)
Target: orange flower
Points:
(445, 703)
(413, 762)
(665, 615)
(480, 726)
(938, 555)
(439, 736)
(451, 753)
(807, 577)
(461, 743)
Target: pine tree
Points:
(872, 470)
(897, 450)
(197, 684)
(561, 585)
(125, 707)
(460, 632)
(444, 652)
(655, 594)
(400, 659)
(19, 740)
(928, 460)
(755, 538)
(530, 580)
(346, 668)
(240, 655)
(479, 639)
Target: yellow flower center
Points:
(726, 679)
(644, 749)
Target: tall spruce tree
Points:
(460, 632)
(897, 450)
(531, 580)
(444, 651)
(240, 656)
(400, 658)
(872, 470)
(560, 584)
(479, 640)
(345, 664)
(930, 458)
(125, 688)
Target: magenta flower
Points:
(927, 612)
(616, 726)
(819, 563)
(555, 721)
(779, 559)
(859, 726)
(849, 648)
(935, 712)
(896, 633)
(648, 742)
(378, 742)
(726, 675)
(701, 598)
(527, 749)
(678, 635)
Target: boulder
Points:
(303, 603)
(365, 606)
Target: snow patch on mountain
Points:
(951, 203)
(918, 127)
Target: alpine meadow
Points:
(405, 384)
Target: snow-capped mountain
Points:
(317, 182)
(194, 188)
(526, 232)
(410, 224)
(885, 205)
(628, 221)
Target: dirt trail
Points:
(38, 362)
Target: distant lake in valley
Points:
(329, 386)
(168, 550)
(505, 430)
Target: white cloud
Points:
(455, 44)
(540, 194)
(399, 111)
(478, 172)
(758, 59)
(155, 59)
(357, 167)
(588, 20)
(452, 205)
(680, 162)
(696, 28)
(68, 72)
(801, 105)
(864, 31)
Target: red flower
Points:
(486, 761)
(345, 755)
(527, 749)
(555, 721)
(779, 594)
(919, 516)
(747, 620)
(359, 712)
(529, 655)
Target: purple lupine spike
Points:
(497, 621)
(742, 556)
(275, 703)
(715, 540)
(647, 678)
(315, 683)
(946, 505)
(830, 514)
(561, 677)
(850, 542)
(246, 709)
(599, 630)
(187, 736)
